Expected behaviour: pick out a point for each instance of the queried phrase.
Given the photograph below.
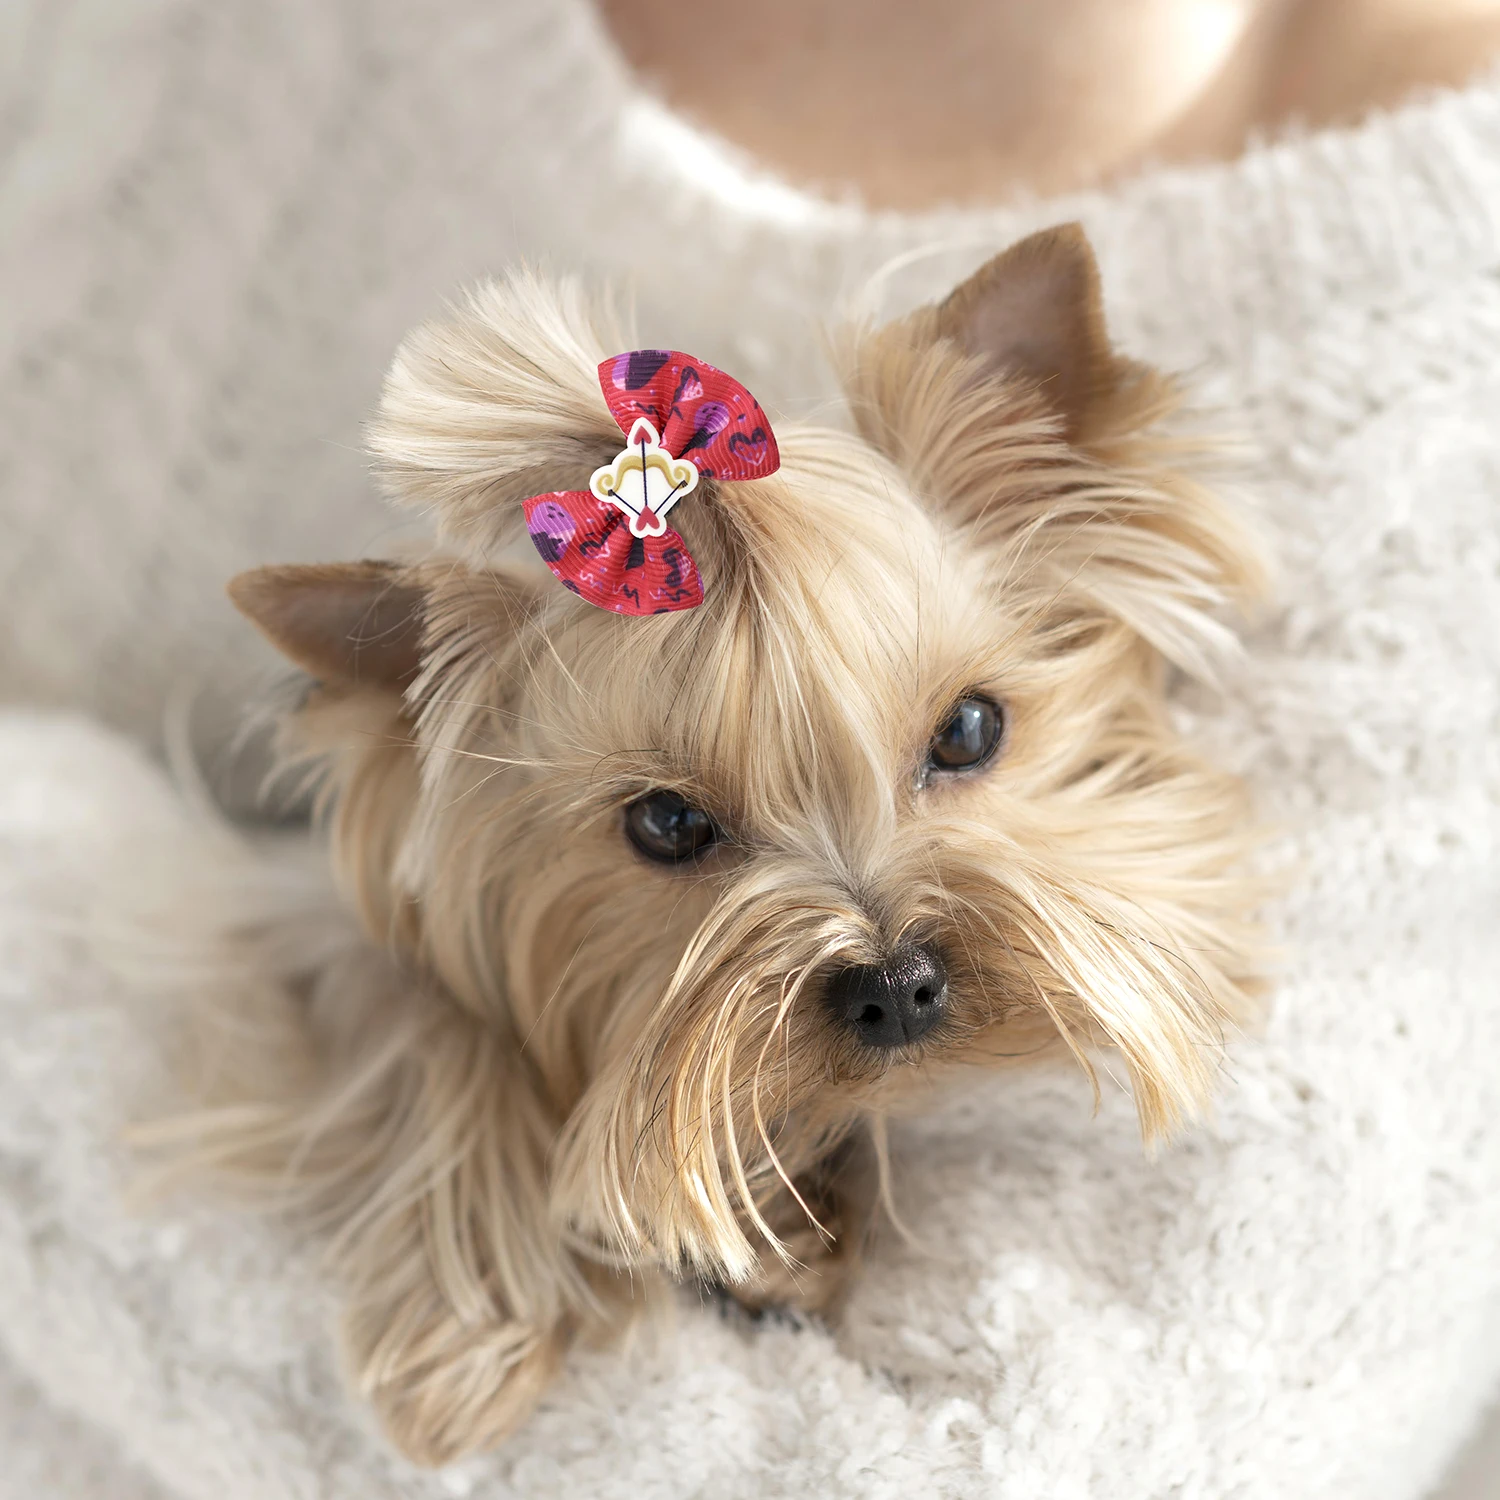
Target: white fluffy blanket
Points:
(225, 214)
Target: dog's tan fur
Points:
(585, 1073)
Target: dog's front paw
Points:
(821, 1259)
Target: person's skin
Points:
(916, 102)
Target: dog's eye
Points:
(664, 826)
(969, 738)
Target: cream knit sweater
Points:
(222, 217)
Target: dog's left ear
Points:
(1022, 341)
(1034, 315)
(1012, 416)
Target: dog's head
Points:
(901, 796)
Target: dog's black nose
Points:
(894, 1003)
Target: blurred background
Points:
(218, 219)
(975, 101)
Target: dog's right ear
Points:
(494, 403)
(346, 623)
(379, 624)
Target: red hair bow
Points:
(683, 421)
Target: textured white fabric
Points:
(222, 217)
(46, 1455)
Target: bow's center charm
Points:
(645, 480)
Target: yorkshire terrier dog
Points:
(666, 910)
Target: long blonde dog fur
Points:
(550, 1076)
